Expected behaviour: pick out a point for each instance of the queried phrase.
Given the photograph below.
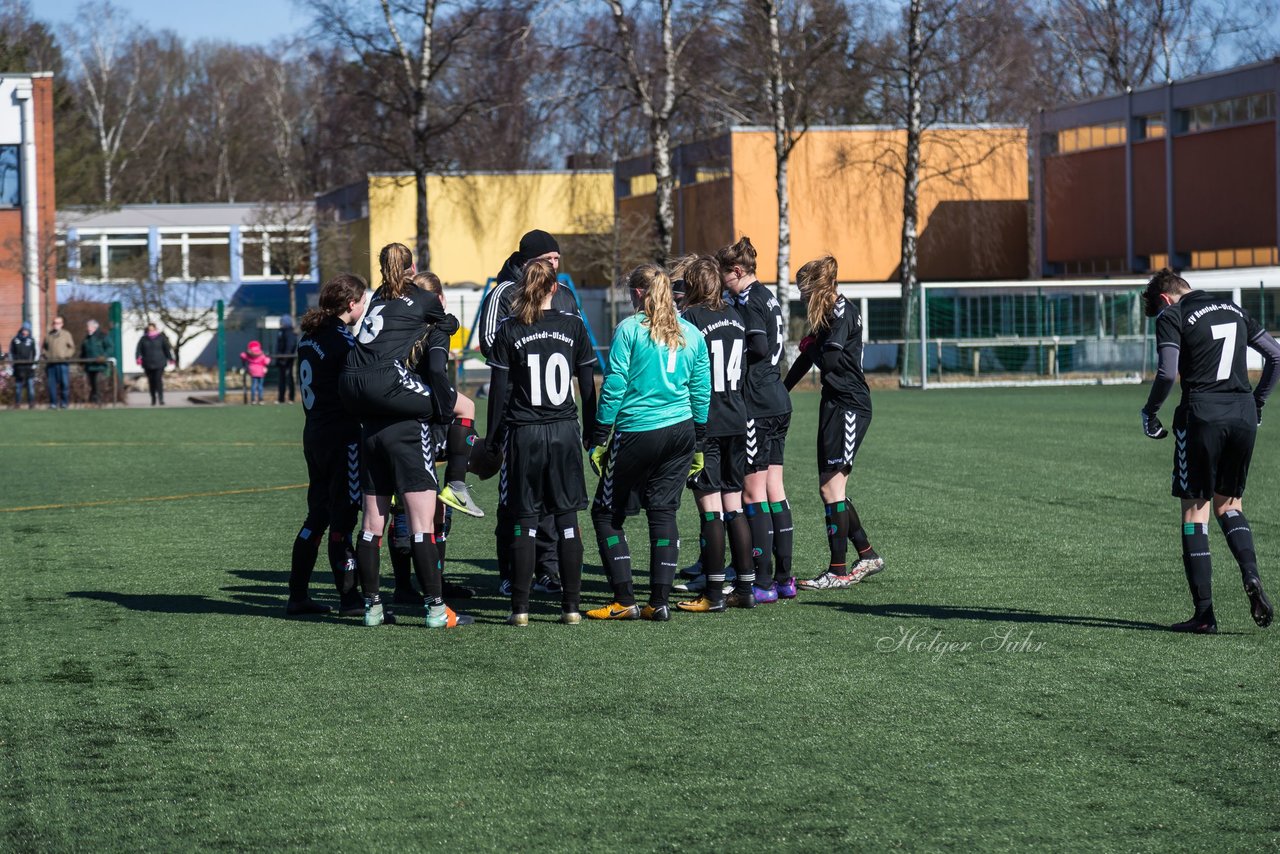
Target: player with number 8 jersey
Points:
(535, 354)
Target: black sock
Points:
(503, 534)
(368, 553)
(783, 539)
(402, 568)
(740, 550)
(761, 540)
(570, 552)
(838, 536)
(857, 534)
(524, 549)
(305, 548)
(426, 562)
(342, 560)
(462, 435)
(444, 524)
(1235, 527)
(664, 555)
(615, 557)
(1198, 565)
(712, 554)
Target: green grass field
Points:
(153, 696)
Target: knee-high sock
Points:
(615, 556)
(1198, 565)
(548, 560)
(761, 540)
(462, 435)
(783, 538)
(664, 555)
(524, 537)
(444, 524)
(368, 553)
(503, 534)
(305, 548)
(570, 552)
(838, 536)
(426, 563)
(712, 554)
(342, 560)
(857, 534)
(1235, 527)
(744, 565)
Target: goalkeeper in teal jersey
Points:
(655, 399)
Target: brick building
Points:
(28, 290)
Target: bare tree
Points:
(187, 306)
(281, 225)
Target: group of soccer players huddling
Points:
(693, 397)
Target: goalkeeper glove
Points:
(1258, 404)
(699, 463)
(1151, 426)
(806, 342)
(597, 458)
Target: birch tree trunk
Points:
(419, 81)
(911, 181)
(782, 156)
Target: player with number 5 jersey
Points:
(655, 398)
(535, 354)
(1203, 338)
(331, 446)
(768, 420)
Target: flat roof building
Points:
(28, 289)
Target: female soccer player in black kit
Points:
(768, 419)
(718, 487)
(331, 445)
(1203, 338)
(844, 415)
(534, 419)
(396, 410)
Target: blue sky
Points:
(242, 21)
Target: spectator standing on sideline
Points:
(153, 354)
(256, 363)
(96, 350)
(59, 347)
(286, 353)
(23, 352)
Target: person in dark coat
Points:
(24, 353)
(153, 354)
(96, 350)
(286, 353)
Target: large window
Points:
(10, 169)
(1234, 111)
(195, 255)
(271, 253)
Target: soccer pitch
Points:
(1005, 683)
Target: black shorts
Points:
(1213, 437)
(840, 435)
(766, 441)
(398, 457)
(333, 465)
(386, 391)
(646, 469)
(542, 471)
(725, 460)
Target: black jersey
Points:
(321, 356)
(541, 360)
(496, 307)
(839, 356)
(762, 315)
(390, 327)
(726, 337)
(1211, 334)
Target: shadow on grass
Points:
(903, 611)
(186, 603)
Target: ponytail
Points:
(396, 264)
(659, 305)
(536, 282)
(741, 254)
(817, 283)
(336, 296)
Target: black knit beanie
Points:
(535, 243)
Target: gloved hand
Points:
(1151, 426)
(1258, 404)
(699, 463)
(806, 342)
(597, 458)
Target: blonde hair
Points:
(395, 261)
(429, 281)
(537, 280)
(817, 283)
(702, 285)
(741, 254)
(659, 304)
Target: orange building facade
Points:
(845, 190)
(28, 257)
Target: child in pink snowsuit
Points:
(255, 361)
